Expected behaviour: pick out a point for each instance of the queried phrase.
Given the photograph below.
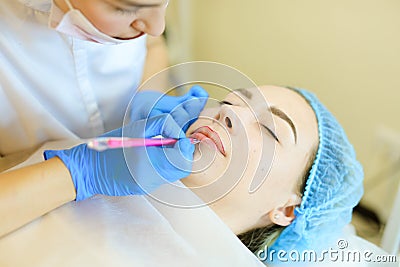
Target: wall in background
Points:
(346, 51)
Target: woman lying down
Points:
(274, 168)
(308, 177)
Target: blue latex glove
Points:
(184, 109)
(107, 172)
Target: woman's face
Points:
(255, 147)
(123, 19)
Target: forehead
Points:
(264, 97)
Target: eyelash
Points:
(225, 103)
(271, 133)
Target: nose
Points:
(151, 21)
(229, 118)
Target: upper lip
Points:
(211, 134)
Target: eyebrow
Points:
(139, 5)
(277, 112)
(245, 92)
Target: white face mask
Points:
(75, 24)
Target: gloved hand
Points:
(145, 169)
(184, 109)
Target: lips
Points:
(206, 132)
(130, 38)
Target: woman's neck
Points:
(232, 215)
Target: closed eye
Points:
(223, 102)
(271, 133)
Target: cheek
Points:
(257, 183)
(243, 163)
(248, 164)
(284, 176)
(245, 150)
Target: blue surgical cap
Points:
(333, 188)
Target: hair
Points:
(256, 239)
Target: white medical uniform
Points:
(53, 86)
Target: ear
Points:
(285, 215)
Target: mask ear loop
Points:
(69, 4)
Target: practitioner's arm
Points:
(30, 192)
(79, 172)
